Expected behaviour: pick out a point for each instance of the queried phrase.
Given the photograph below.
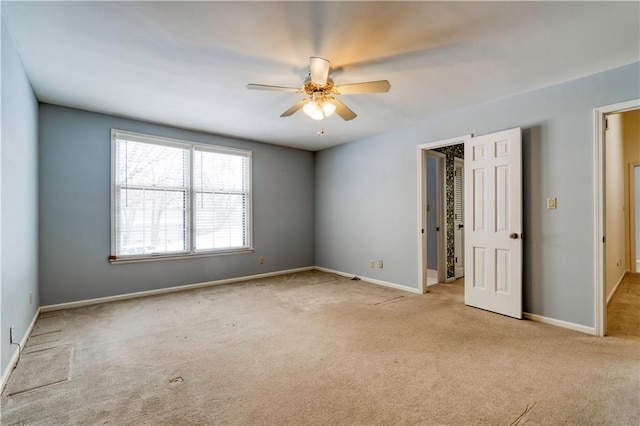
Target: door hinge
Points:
(422, 230)
(604, 239)
(606, 123)
(437, 228)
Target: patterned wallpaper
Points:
(451, 152)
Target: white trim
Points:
(615, 287)
(16, 353)
(633, 265)
(370, 280)
(174, 289)
(600, 308)
(559, 323)
(421, 198)
(445, 142)
(422, 220)
(182, 143)
(441, 215)
(138, 259)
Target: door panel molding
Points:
(493, 206)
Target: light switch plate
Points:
(552, 203)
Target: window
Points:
(176, 198)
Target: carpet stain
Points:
(384, 302)
(178, 379)
(46, 333)
(521, 418)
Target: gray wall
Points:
(19, 200)
(354, 224)
(75, 211)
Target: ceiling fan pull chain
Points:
(320, 129)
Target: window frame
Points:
(192, 148)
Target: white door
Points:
(493, 220)
(458, 216)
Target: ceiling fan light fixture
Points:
(319, 109)
(313, 110)
(328, 108)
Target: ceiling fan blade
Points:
(342, 110)
(380, 86)
(294, 108)
(319, 70)
(275, 88)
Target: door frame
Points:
(633, 252)
(422, 203)
(441, 218)
(599, 113)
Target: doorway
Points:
(446, 265)
(493, 211)
(615, 160)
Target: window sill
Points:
(139, 259)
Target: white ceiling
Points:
(186, 64)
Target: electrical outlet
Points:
(372, 264)
(261, 260)
(380, 264)
(11, 329)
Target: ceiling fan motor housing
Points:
(310, 87)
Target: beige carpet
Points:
(40, 368)
(314, 348)
(623, 311)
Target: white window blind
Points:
(173, 198)
(458, 195)
(222, 198)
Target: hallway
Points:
(623, 311)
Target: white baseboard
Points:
(16, 353)
(560, 323)
(370, 280)
(432, 273)
(615, 287)
(100, 300)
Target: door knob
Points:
(513, 235)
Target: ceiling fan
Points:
(321, 91)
